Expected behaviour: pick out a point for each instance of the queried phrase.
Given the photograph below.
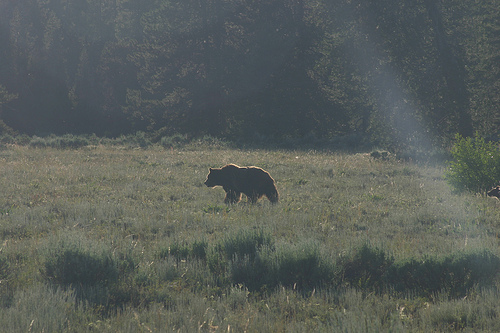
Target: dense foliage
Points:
(475, 166)
(411, 72)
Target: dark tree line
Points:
(392, 71)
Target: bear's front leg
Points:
(253, 197)
(232, 197)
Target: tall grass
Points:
(110, 238)
(39, 308)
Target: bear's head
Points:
(214, 178)
(494, 192)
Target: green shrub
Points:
(67, 141)
(38, 142)
(365, 269)
(424, 276)
(476, 165)
(140, 139)
(70, 262)
(216, 209)
(179, 250)
(242, 250)
(300, 266)
(174, 141)
(253, 272)
(466, 270)
(371, 269)
(5, 281)
(217, 263)
(137, 140)
(245, 243)
(4, 268)
(7, 138)
(250, 258)
(199, 249)
(454, 274)
(184, 250)
(70, 142)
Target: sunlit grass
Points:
(148, 213)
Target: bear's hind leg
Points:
(232, 197)
(254, 197)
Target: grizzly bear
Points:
(494, 192)
(254, 182)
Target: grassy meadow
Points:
(109, 238)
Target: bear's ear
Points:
(210, 169)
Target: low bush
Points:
(5, 281)
(4, 268)
(245, 243)
(253, 273)
(236, 248)
(371, 269)
(174, 141)
(475, 166)
(139, 139)
(184, 250)
(365, 268)
(252, 259)
(7, 138)
(38, 142)
(454, 274)
(60, 142)
(216, 209)
(300, 266)
(70, 262)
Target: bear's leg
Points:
(273, 195)
(253, 197)
(232, 197)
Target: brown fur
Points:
(494, 192)
(252, 181)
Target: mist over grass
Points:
(111, 237)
